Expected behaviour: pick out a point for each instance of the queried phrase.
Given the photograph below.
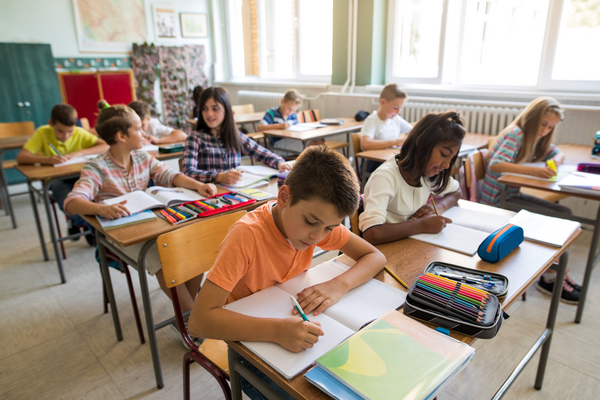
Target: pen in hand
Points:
(298, 308)
(54, 148)
(434, 207)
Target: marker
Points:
(54, 148)
(551, 165)
(298, 308)
(168, 217)
(395, 277)
(434, 207)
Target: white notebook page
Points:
(481, 221)
(137, 201)
(455, 237)
(543, 229)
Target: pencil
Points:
(54, 148)
(434, 207)
(395, 277)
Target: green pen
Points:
(298, 308)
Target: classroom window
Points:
(279, 39)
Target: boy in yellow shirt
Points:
(275, 243)
(69, 141)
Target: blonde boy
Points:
(274, 243)
(283, 117)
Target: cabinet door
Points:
(117, 87)
(82, 92)
(37, 79)
(13, 108)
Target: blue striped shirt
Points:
(273, 116)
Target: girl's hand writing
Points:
(229, 177)
(296, 335)
(207, 189)
(433, 223)
(545, 172)
(317, 298)
(282, 166)
(427, 209)
(114, 211)
(56, 159)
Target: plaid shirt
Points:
(204, 156)
(102, 178)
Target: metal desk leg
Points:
(545, 338)
(100, 240)
(61, 270)
(234, 376)
(36, 215)
(589, 267)
(141, 267)
(558, 284)
(503, 196)
(7, 203)
(363, 175)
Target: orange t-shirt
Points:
(256, 255)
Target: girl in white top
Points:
(155, 131)
(396, 195)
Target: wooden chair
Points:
(185, 254)
(85, 124)
(356, 146)
(243, 109)
(314, 116)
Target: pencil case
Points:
(432, 310)
(500, 243)
(171, 148)
(204, 208)
(590, 168)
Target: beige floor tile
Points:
(30, 320)
(106, 392)
(63, 368)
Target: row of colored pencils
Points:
(458, 298)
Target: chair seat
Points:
(256, 136)
(336, 145)
(216, 351)
(9, 164)
(551, 197)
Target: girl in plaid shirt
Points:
(123, 169)
(212, 153)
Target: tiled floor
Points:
(55, 342)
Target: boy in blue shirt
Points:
(283, 117)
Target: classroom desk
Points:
(478, 140)
(350, 125)
(250, 118)
(9, 143)
(574, 154)
(47, 174)
(147, 232)
(408, 259)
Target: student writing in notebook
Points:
(155, 131)
(58, 142)
(397, 193)
(529, 139)
(275, 243)
(123, 169)
(385, 128)
(214, 150)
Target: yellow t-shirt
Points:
(81, 139)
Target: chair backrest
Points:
(243, 109)
(478, 167)
(492, 142)
(85, 123)
(188, 252)
(12, 129)
(356, 143)
(308, 115)
(354, 218)
(180, 162)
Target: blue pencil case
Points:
(500, 243)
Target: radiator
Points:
(262, 100)
(489, 120)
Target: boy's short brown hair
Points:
(325, 173)
(142, 109)
(112, 120)
(392, 92)
(65, 114)
(293, 96)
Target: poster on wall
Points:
(109, 25)
(165, 22)
(193, 25)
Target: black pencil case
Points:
(423, 309)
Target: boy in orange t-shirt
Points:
(275, 243)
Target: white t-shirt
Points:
(388, 198)
(391, 128)
(156, 128)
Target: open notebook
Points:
(564, 170)
(470, 227)
(581, 182)
(77, 160)
(356, 308)
(307, 126)
(155, 197)
(253, 175)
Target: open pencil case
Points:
(442, 309)
(203, 208)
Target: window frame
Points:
(449, 65)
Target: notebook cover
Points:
(321, 379)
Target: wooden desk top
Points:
(408, 259)
(479, 140)
(350, 124)
(574, 154)
(129, 235)
(13, 142)
(248, 118)
(43, 172)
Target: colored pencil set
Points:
(455, 297)
(200, 208)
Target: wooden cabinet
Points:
(83, 90)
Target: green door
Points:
(11, 97)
